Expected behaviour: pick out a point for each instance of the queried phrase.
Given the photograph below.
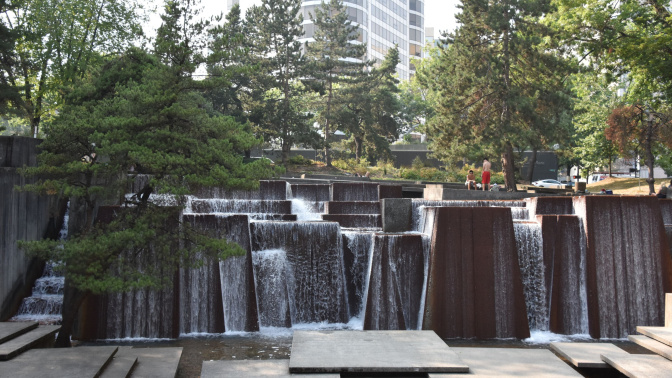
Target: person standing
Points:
(485, 178)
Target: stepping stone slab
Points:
(26, 341)
(121, 365)
(652, 345)
(154, 362)
(84, 362)
(10, 330)
(372, 352)
(510, 363)
(587, 355)
(662, 334)
(640, 365)
(253, 369)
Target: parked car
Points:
(548, 183)
(568, 183)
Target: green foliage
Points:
(417, 163)
(278, 105)
(333, 61)
(300, 160)
(594, 100)
(369, 114)
(424, 174)
(139, 112)
(352, 165)
(109, 257)
(498, 84)
(58, 41)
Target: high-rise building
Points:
(382, 24)
(231, 3)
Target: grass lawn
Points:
(627, 186)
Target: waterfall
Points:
(520, 213)
(517, 208)
(234, 206)
(395, 283)
(270, 267)
(314, 268)
(357, 248)
(531, 261)
(200, 299)
(307, 211)
(46, 301)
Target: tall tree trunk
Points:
(358, 149)
(286, 148)
(327, 158)
(508, 167)
(648, 146)
(72, 300)
(533, 162)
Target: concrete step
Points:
(662, 334)
(85, 361)
(253, 369)
(153, 362)
(510, 363)
(587, 355)
(121, 366)
(354, 221)
(43, 335)
(640, 365)
(10, 330)
(352, 208)
(652, 345)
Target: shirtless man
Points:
(485, 178)
(471, 180)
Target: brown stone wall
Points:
(628, 263)
(474, 286)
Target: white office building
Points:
(382, 24)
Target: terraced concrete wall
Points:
(23, 216)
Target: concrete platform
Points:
(511, 363)
(372, 352)
(58, 362)
(662, 334)
(21, 343)
(587, 355)
(10, 330)
(253, 369)
(652, 345)
(641, 365)
(154, 362)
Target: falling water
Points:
(314, 270)
(357, 254)
(395, 282)
(531, 260)
(229, 206)
(46, 301)
(270, 268)
(515, 205)
(307, 211)
(520, 213)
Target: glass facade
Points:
(382, 25)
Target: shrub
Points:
(299, 160)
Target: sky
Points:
(438, 13)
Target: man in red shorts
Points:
(485, 178)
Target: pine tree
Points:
(491, 82)
(370, 111)
(140, 112)
(336, 57)
(283, 65)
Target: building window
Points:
(415, 50)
